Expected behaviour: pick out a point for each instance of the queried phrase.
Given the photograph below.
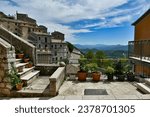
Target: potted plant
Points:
(110, 73)
(130, 75)
(93, 68)
(82, 74)
(119, 71)
(30, 64)
(20, 54)
(26, 58)
(15, 78)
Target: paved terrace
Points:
(72, 89)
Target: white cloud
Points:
(56, 13)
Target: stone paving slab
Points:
(145, 97)
(126, 97)
(57, 98)
(24, 99)
(90, 97)
(115, 89)
(73, 97)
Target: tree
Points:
(100, 55)
(89, 55)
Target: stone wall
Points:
(56, 80)
(46, 69)
(18, 43)
(7, 56)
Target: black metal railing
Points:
(139, 49)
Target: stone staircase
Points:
(144, 87)
(27, 75)
(34, 85)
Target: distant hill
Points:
(103, 47)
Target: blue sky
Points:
(83, 21)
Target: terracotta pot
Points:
(20, 56)
(19, 86)
(82, 75)
(30, 65)
(96, 76)
(20, 69)
(26, 60)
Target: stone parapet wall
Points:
(46, 69)
(18, 43)
(7, 57)
(56, 80)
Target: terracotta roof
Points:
(143, 16)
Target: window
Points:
(60, 58)
(55, 46)
(45, 39)
(39, 38)
(29, 30)
(39, 46)
(56, 58)
(45, 46)
(55, 53)
(51, 46)
(60, 45)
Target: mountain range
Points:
(103, 47)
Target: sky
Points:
(83, 21)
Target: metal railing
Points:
(139, 50)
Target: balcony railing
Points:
(139, 50)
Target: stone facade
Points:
(7, 58)
(21, 25)
(50, 48)
(58, 35)
(75, 56)
(27, 28)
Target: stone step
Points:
(39, 87)
(18, 61)
(29, 78)
(26, 71)
(20, 67)
(143, 87)
(147, 81)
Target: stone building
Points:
(75, 56)
(21, 24)
(50, 48)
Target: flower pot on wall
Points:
(82, 75)
(30, 64)
(20, 56)
(96, 76)
(19, 86)
(26, 60)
